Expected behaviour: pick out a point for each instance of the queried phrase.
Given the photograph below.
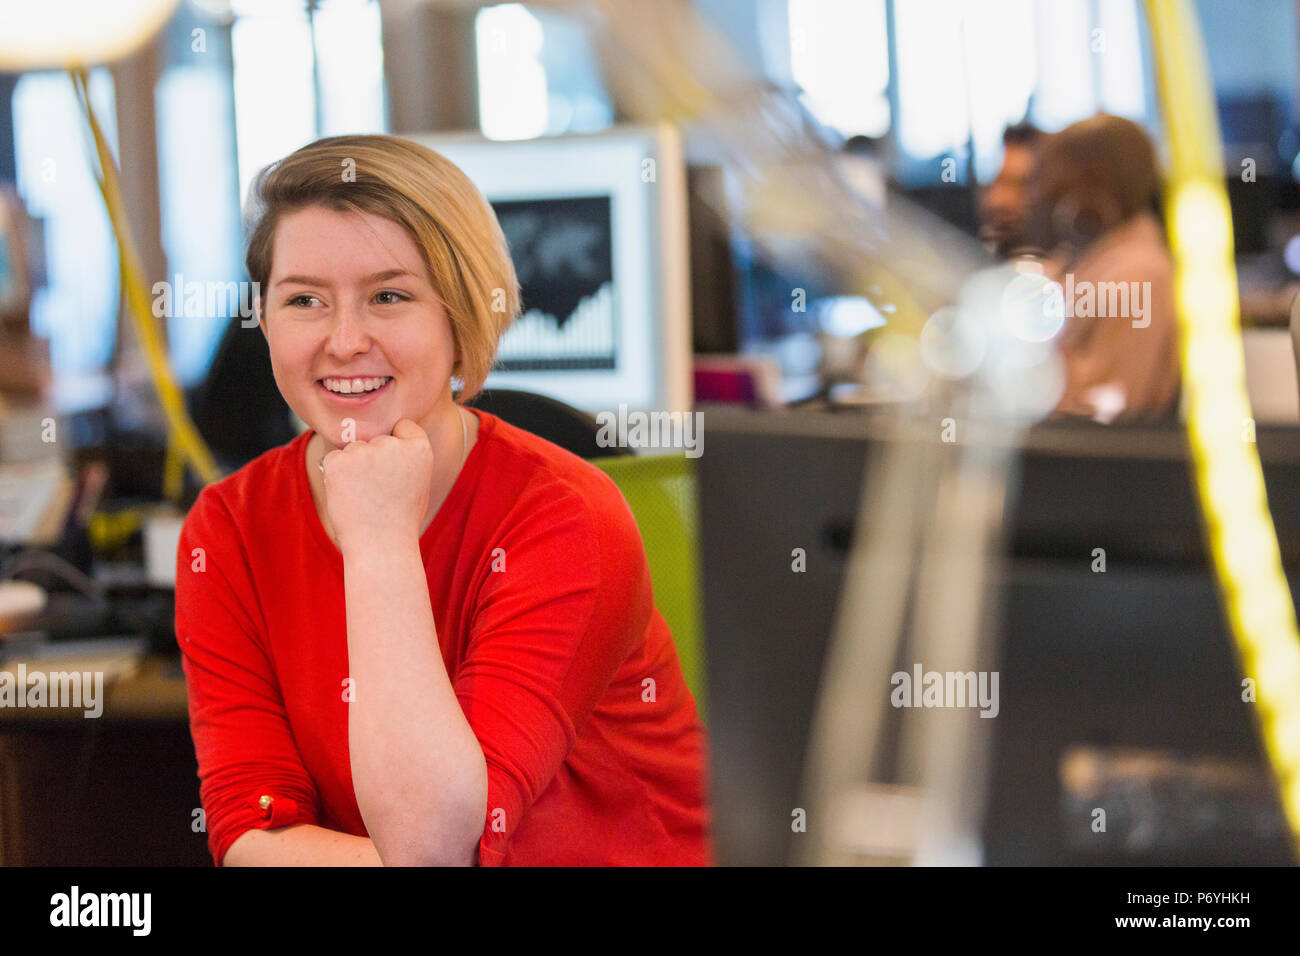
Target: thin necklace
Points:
(464, 442)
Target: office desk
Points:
(120, 789)
(156, 691)
(1136, 658)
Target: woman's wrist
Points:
(382, 548)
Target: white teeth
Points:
(353, 386)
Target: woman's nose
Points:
(348, 333)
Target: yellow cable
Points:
(173, 485)
(182, 433)
(1229, 477)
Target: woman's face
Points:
(349, 299)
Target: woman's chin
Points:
(339, 433)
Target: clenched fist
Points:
(377, 491)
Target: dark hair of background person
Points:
(1022, 134)
(1093, 176)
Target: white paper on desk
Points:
(115, 657)
(63, 682)
(111, 667)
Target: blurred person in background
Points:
(1005, 204)
(860, 162)
(1096, 199)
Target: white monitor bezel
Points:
(642, 170)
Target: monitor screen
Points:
(597, 229)
(563, 255)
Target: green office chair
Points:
(660, 490)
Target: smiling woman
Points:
(416, 634)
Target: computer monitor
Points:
(597, 229)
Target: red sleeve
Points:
(242, 739)
(549, 633)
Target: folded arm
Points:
(301, 845)
(422, 790)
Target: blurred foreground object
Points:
(78, 34)
(186, 445)
(1238, 524)
(59, 33)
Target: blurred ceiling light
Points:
(59, 33)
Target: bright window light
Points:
(1065, 63)
(839, 56)
(933, 104)
(350, 63)
(1122, 90)
(77, 309)
(512, 81)
(275, 101)
(1000, 75)
(197, 181)
(965, 70)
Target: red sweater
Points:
(587, 762)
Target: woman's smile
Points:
(354, 392)
(353, 309)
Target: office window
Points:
(1000, 83)
(934, 111)
(839, 57)
(275, 96)
(1065, 87)
(349, 67)
(303, 71)
(77, 310)
(197, 180)
(1123, 89)
(537, 74)
(512, 80)
(963, 70)
(966, 70)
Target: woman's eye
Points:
(301, 299)
(393, 297)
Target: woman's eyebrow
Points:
(365, 280)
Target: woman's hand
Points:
(377, 491)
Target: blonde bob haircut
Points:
(455, 229)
